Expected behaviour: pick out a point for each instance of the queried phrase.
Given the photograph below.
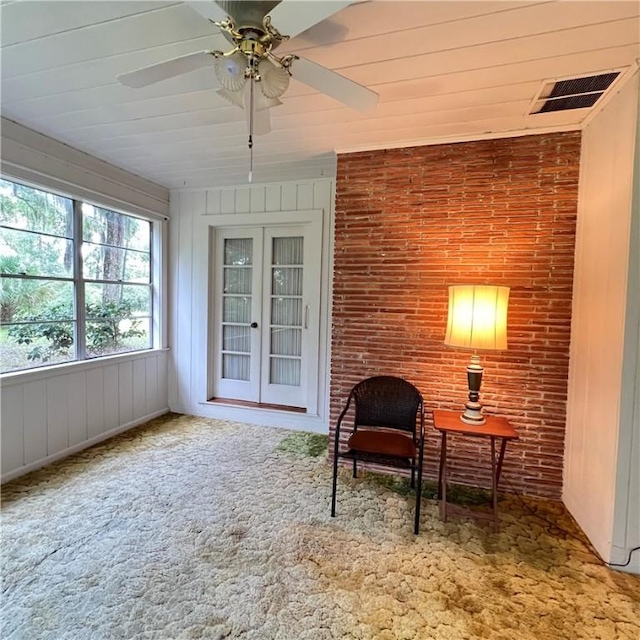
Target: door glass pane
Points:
(237, 279)
(286, 311)
(285, 371)
(286, 342)
(238, 251)
(235, 367)
(236, 308)
(236, 338)
(286, 281)
(287, 251)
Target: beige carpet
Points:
(194, 528)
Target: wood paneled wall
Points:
(48, 415)
(194, 214)
(602, 460)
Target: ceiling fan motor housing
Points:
(248, 15)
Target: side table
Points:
(448, 422)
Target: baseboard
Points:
(620, 556)
(43, 462)
(262, 417)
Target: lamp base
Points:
(473, 408)
(473, 415)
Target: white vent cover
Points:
(573, 93)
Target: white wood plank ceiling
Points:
(447, 70)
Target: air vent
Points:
(573, 93)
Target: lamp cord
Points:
(587, 543)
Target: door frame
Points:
(312, 217)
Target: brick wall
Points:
(410, 222)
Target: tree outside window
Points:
(63, 298)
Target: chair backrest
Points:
(386, 401)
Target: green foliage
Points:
(305, 444)
(105, 331)
(104, 326)
(17, 294)
(36, 240)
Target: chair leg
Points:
(416, 527)
(335, 473)
(355, 468)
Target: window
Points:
(76, 279)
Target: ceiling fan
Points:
(250, 75)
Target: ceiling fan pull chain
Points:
(251, 129)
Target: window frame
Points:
(78, 280)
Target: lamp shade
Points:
(477, 317)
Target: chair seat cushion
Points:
(382, 442)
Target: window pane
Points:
(32, 345)
(34, 254)
(23, 207)
(117, 335)
(27, 299)
(107, 263)
(117, 300)
(115, 229)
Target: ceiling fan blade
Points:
(292, 17)
(208, 9)
(261, 116)
(165, 70)
(347, 91)
(261, 122)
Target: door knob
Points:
(254, 325)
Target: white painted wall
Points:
(194, 213)
(47, 414)
(602, 418)
(50, 412)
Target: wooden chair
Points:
(388, 430)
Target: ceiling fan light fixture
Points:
(234, 98)
(262, 102)
(274, 80)
(230, 71)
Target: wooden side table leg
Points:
(500, 459)
(442, 478)
(494, 485)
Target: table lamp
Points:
(477, 320)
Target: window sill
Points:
(66, 368)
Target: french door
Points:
(266, 306)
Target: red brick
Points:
(410, 222)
